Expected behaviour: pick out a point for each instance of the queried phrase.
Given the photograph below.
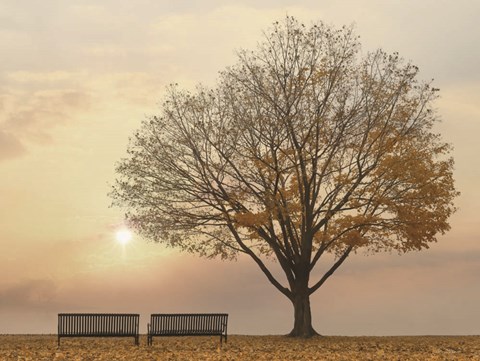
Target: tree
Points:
(301, 150)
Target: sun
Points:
(123, 236)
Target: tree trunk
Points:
(303, 317)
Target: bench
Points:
(192, 324)
(98, 325)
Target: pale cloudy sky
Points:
(77, 78)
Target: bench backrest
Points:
(177, 324)
(98, 324)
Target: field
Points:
(44, 347)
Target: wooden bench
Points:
(98, 325)
(190, 324)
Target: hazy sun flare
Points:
(123, 236)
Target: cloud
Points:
(40, 77)
(29, 294)
(204, 42)
(33, 105)
(28, 114)
(10, 146)
(33, 111)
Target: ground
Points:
(256, 348)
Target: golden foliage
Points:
(250, 219)
(242, 348)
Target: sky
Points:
(77, 78)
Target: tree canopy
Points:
(304, 147)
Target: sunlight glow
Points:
(123, 236)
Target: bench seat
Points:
(188, 324)
(98, 325)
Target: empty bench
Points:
(192, 324)
(98, 325)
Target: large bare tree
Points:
(303, 148)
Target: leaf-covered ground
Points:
(37, 348)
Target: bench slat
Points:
(98, 325)
(199, 324)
